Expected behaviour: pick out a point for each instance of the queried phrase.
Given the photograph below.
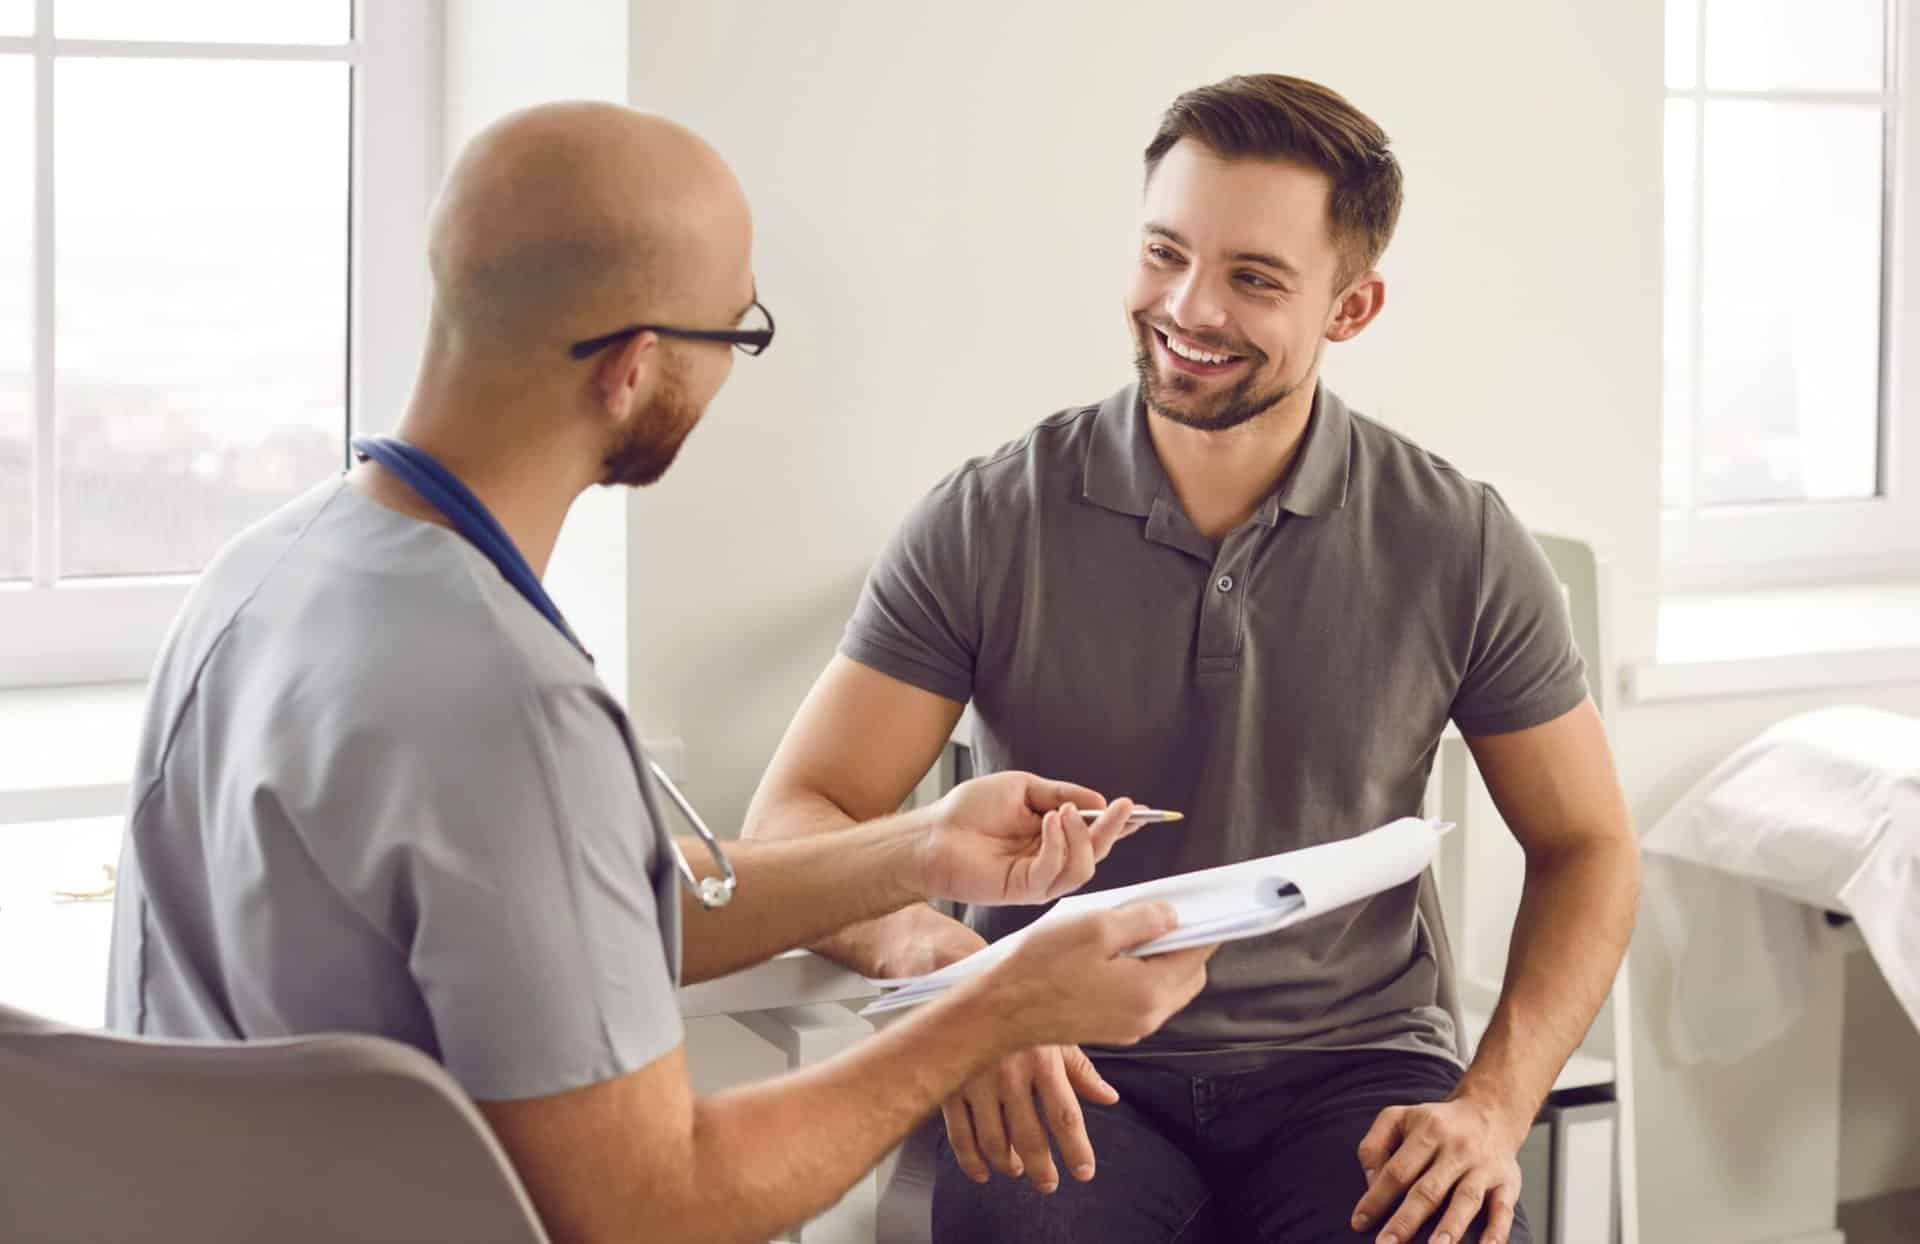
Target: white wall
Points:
(501, 55)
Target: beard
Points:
(1175, 399)
(653, 439)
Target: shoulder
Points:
(1018, 472)
(1394, 476)
(1396, 463)
(372, 624)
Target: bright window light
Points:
(207, 21)
(16, 317)
(201, 302)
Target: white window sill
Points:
(1718, 644)
(67, 752)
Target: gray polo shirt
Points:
(1285, 688)
(378, 792)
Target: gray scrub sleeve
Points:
(536, 887)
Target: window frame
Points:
(1801, 541)
(110, 629)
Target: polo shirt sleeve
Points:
(1522, 666)
(535, 879)
(918, 618)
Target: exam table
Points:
(1795, 854)
(1812, 826)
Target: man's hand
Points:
(1077, 981)
(1013, 838)
(1066, 983)
(1457, 1155)
(993, 1121)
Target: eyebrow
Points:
(1260, 257)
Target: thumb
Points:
(1138, 923)
(1086, 1078)
(1046, 794)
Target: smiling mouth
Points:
(1192, 358)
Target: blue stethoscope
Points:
(442, 489)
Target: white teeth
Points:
(1188, 352)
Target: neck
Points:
(1221, 478)
(527, 480)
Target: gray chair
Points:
(344, 1139)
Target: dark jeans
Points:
(1260, 1157)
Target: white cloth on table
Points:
(1820, 812)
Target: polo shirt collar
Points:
(1317, 482)
(1123, 471)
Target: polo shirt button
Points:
(1224, 583)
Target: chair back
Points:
(344, 1139)
(1581, 575)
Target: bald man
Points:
(381, 790)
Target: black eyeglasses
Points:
(746, 340)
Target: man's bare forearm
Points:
(795, 814)
(1576, 917)
(795, 891)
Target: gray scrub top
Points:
(1285, 687)
(378, 792)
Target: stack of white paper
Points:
(1227, 903)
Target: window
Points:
(1785, 308)
(211, 267)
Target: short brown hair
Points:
(1273, 116)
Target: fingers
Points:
(1195, 956)
(966, 1151)
(1025, 1132)
(1500, 1203)
(1468, 1196)
(1123, 928)
(1085, 1077)
(1044, 868)
(1078, 869)
(989, 1129)
(1443, 1164)
(1045, 794)
(1185, 970)
(1110, 826)
(1423, 1199)
(1391, 1181)
(1381, 1139)
(1054, 1086)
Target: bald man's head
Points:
(568, 220)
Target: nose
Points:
(1193, 305)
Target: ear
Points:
(1357, 307)
(625, 376)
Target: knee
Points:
(1003, 1208)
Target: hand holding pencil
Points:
(1017, 839)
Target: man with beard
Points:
(380, 789)
(1226, 591)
